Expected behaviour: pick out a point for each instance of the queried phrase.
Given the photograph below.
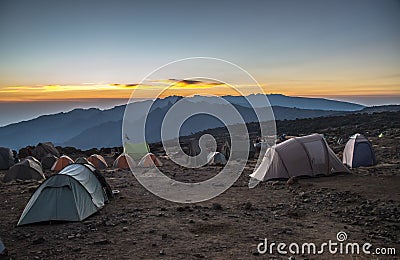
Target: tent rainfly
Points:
(136, 150)
(358, 152)
(73, 194)
(299, 156)
(123, 161)
(149, 160)
(216, 158)
(62, 162)
(98, 161)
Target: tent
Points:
(43, 149)
(136, 151)
(216, 158)
(300, 156)
(61, 162)
(123, 161)
(6, 158)
(48, 161)
(149, 160)
(73, 194)
(358, 152)
(226, 150)
(82, 160)
(98, 161)
(25, 170)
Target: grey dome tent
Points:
(299, 156)
(82, 160)
(6, 158)
(216, 158)
(73, 194)
(358, 152)
(25, 170)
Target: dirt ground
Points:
(138, 225)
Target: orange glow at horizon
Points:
(187, 88)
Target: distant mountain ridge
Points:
(87, 128)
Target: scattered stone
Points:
(216, 206)
(248, 206)
(39, 240)
(102, 242)
(125, 229)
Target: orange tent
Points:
(149, 160)
(98, 161)
(123, 161)
(61, 163)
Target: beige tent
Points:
(300, 156)
(98, 161)
(358, 152)
(62, 162)
(82, 160)
(123, 161)
(24, 170)
(149, 160)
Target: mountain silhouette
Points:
(88, 128)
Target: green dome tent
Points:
(136, 150)
(71, 195)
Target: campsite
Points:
(363, 202)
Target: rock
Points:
(291, 181)
(125, 229)
(216, 206)
(248, 206)
(39, 240)
(162, 252)
(198, 255)
(102, 242)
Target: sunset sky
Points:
(99, 50)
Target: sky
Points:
(94, 52)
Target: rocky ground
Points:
(138, 224)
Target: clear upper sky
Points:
(344, 48)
